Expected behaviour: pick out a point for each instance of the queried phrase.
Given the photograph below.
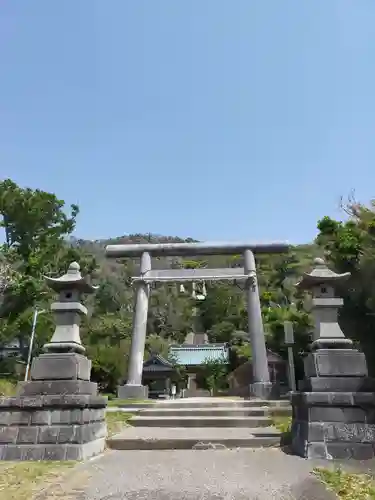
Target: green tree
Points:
(108, 329)
(36, 227)
(224, 304)
(109, 364)
(350, 247)
(221, 332)
(157, 345)
(213, 375)
(35, 224)
(170, 314)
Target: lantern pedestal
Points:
(335, 363)
(52, 427)
(334, 411)
(334, 414)
(57, 415)
(61, 366)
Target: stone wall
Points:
(337, 425)
(52, 427)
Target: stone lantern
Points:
(333, 412)
(58, 414)
(68, 310)
(321, 282)
(64, 353)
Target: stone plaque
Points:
(64, 366)
(336, 362)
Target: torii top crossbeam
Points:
(188, 249)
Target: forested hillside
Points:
(38, 232)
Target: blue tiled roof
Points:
(198, 354)
(157, 364)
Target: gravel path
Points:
(263, 474)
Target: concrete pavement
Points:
(260, 474)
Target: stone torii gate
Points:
(261, 386)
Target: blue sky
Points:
(242, 120)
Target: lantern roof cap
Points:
(72, 279)
(321, 274)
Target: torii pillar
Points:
(261, 387)
(134, 388)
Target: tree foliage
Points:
(213, 375)
(349, 246)
(38, 229)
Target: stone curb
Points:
(197, 421)
(51, 401)
(189, 444)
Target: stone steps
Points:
(202, 424)
(169, 438)
(255, 411)
(209, 403)
(198, 421)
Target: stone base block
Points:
(132, 392)
(42, 387)
(333, 425)
(338, 384)
(57, 427)
(53, 402)
(36, 452)
(263, 390)
(362, 399)
(340, 451)
(335, 363)
(61, 366)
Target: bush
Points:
(111, 396)
(108, 366)
(10, 368)
(282, 424)
(213, 375)
(7, 388)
